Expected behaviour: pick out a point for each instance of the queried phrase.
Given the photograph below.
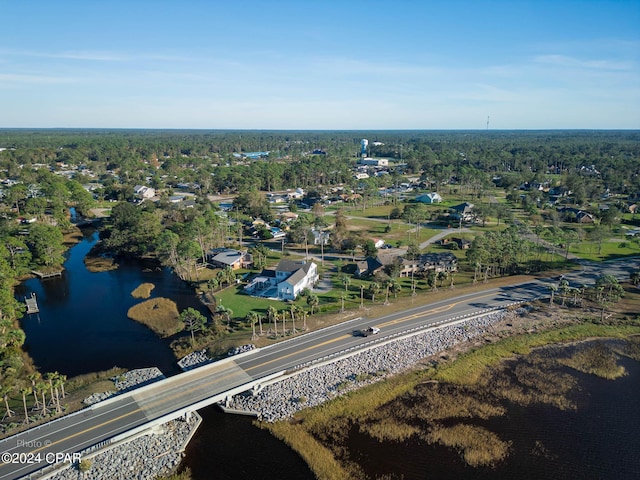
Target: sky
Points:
(320, 64)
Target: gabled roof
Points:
(465, 207)
(368, 265)
(291, 266)
(296, 277)
(228, 256)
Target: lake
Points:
(83, 326)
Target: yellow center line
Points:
(343, 337)
(138, 408)
(444, 308)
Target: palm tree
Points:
(635, 277)
(5, 390)
(313, 301)
(476, 267)
(293, 310)
(34, 377)
(442, 276)
(252, 318)
(432, 280)
(275, 323)
(41, 387)
(24, 392)
(346, 281)
(62, 379)
(374, 288)
(342, 296)
(56, 384)
(395, 287)
(564, 289)
(553, 288)
(271, 315)
(49, 377)
(259, 316)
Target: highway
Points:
(33, 449)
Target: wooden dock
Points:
(46, 275)
(32, 304)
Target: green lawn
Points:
(609, 250)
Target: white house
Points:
(144, 192)
(320, 236)
(295, 276)
(432, 197)
(286, 282)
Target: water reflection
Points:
(83, 327)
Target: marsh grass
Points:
(596, 358)
(468, 368)
(159, 314)
(143, 290)
(477, 445)
(320, 459)
(389, 430)
(631, 348)
(434, 401)
(534, 379)
(97, 264)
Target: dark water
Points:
(83, 325)
(229, 447)
(601, 440)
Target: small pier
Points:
(32, 304)
(46, 275)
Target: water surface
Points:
(83, 326)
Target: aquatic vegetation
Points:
(143, 290)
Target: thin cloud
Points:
(95, 56)
(18, 79)
(571, 62)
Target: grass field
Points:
(609, 250)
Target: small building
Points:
(320, 237)
(429, 198)
(144, 192)
(376, 162)
(463, 211)
(228, 257)
(368, 266)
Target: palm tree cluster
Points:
(38, 386)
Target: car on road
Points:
(365, 332)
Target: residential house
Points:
(144, 192)
(377, 242)
(228, 257)
(463, 211)
(575, 214)
(368, 266)
(286, 282)
(320, 237)
(429, 198)
(440, 262)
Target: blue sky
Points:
(320, 64)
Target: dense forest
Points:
(206, 157)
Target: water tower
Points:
(364, 143)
